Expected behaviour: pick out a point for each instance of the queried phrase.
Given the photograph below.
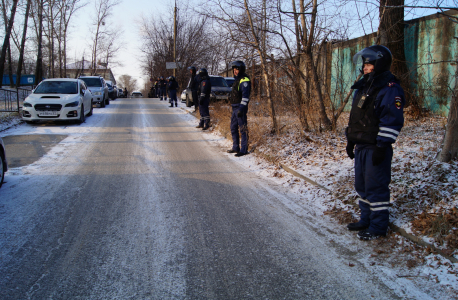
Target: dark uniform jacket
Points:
(241, 90)
(376, 115)
(205, 88)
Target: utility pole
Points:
(175, 38)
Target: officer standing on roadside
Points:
(205, 87)
(376, 119)
(239, 98)
(194, 86)
(156, 88)
(164, 88)
(172, 88)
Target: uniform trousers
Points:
(372, 185)
(239, 124)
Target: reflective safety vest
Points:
(236, 94)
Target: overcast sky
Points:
(125, 15)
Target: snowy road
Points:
(137, 204)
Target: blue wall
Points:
(428, 41)
(25, 79)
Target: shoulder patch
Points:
(397, 102)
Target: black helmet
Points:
(238, 64)
(203, 72)
(172, 78)
(377, 55)
(192, 68)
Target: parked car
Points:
(112, 93)
(183, 95)
(58, 99)
(136, 95)
(98, 88)
(230, 81)
(3, 162)
(220, 90)
(120, 93)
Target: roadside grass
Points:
(423, 190)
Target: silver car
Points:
(3, 162)
(98, 88)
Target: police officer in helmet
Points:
(204, 99)
(172, 87)
(239, 98)
(376, 119)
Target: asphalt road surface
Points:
(141, 206)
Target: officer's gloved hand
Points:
(349, 148)
(378, 156)
(241, 111)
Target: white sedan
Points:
(58, 99)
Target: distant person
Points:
(194, 86)
(205, 87)
(163, 86)
(239, 98)
(172, 88)
(156, 88)
(126, 93)
(376, 119)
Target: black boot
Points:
(357, 226)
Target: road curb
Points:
(393, 227)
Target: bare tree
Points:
(127, 81)
(450, 144)
(197, 44)
(6, 41)
(21, 52)
(259, 45)
(39, 27)
(103, 10)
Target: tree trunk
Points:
(450, 145)
(308, 43)
(6, 40)
(257, 46)
(21, 54)
(391, 35)
(39, 67)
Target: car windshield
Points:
(218, 81)
(230, 82)
(57, 87)
(109, 85)
(95, 82)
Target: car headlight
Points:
(97, 93)
(27, 104)
(72, 104)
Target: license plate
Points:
(50, 113)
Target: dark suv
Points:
(98, 88)
(220, 90)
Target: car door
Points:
(87, 95)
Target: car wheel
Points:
(82, 117)
(107, 102)
(2, 172)
(92, 109)
(188, 102)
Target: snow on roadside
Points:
(416, 179)
(419, 184)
